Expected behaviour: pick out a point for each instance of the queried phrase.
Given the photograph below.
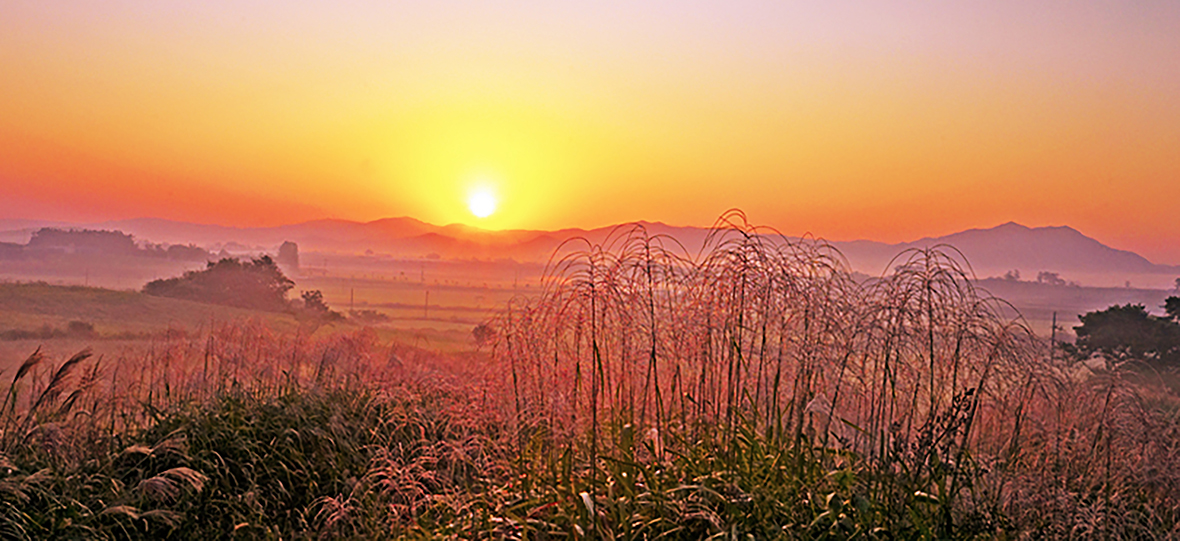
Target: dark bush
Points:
(1128, 332)
(257, 284)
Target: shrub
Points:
(257, 284)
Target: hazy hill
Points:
(991, 252)
(1014, 247)
(324, 235)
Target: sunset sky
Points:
(881, 120)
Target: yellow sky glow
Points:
(852, 120)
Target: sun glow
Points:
(482, 203)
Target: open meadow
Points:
(61, 320)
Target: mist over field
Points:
(389, 265)
(630, 380)
(584, 270)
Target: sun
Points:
(482, 203)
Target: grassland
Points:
(756, 392)
(126, 322)
(114, 313)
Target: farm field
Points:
(1038, 303)
(444, 295)
(123, 324)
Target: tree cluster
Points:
(100, 243)
(1130, 333)
(257, 284)
(311, 303)
(179, 252)
(82, 241)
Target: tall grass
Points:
(754, 389)
(242, 433)
(743, 381)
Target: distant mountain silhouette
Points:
(991, 252)
(1062, 248)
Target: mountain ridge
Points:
(991, 251)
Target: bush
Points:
(313, 303)
(257, 284)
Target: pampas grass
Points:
(763, 351)
(754, 389)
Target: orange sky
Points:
(855, 120)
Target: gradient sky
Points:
(889, 121)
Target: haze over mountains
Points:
(991, 252)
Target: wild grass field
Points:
(756, 392)
(429, 302)
(30, 305)
(64, 319)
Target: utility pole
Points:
(426, 306)
(1053, 339)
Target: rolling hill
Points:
(991, 252)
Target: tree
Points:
(483, 335)
(314, 305)
(1128, 332)
(1172, 308)
(289, 256)
(314, 301)
(256, 284)
(1051, 278)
